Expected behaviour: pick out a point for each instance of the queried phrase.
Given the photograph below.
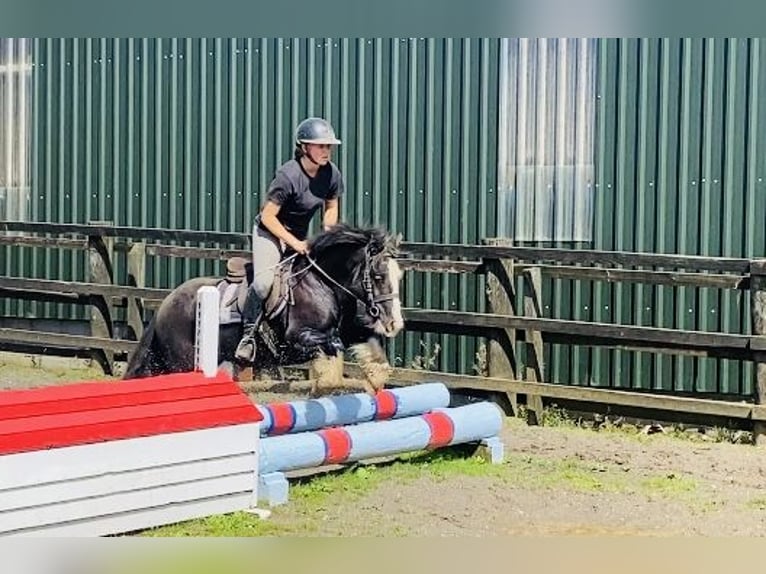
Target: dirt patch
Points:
(577, 482)
(555, 481)
(20, 371)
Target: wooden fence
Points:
(504, 326)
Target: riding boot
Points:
(251, 316)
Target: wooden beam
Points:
(476, 252)
(735, 410)
(441, 265)
(673, 278)
(579, 257)
(501, 296)
(418, 319)
(55, 242)
(136, 278)
(533, 304)
(758, 326)
(74, 288)
(195, 252)
(46, 339)
(101, 270)
(122, 231)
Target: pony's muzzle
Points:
(393, 326)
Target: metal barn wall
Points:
(186, 133)
(680, 154)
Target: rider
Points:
(299, 188)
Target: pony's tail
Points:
(143, 358)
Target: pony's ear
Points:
(392, 243)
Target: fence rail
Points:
(503, 325)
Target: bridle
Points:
(370, 302)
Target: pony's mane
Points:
(380, 241)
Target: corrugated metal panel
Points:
(187, 133)
(15, 132)
(546, 151)
(15, 78)
(679, 169)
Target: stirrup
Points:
(246, 350)
(247, 345)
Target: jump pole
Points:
(206, 335)
(478, 422)
(306, 415)
(99, 458)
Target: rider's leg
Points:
(266, 256)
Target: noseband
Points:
(371, 301)
(371, 305)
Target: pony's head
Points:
(367, 259)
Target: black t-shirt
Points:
(299, 196)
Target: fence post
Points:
(101, 270)
(501, 293)
(758, 317)
(534, 339)
(136, 278)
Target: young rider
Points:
(300, 187)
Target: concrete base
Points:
(492, 450)
(273, 488)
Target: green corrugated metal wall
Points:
(680, 169)
(186, 133)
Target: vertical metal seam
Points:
(377, 134)
(131, 133)
(247, 182)
(144, 131)
(233, 82)
(117, 210)
(359, 140)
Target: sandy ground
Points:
(556, 480)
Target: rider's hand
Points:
(301, 247)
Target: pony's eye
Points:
(378, 277)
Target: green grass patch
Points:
(534, 472)
(315, 500)
(312, 498)
(35, 370)
(237, 524)
(670, 485)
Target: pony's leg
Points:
(328, 373)
(374, 364)
(327, 364)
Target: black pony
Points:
(344, 294)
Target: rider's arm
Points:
(330, 213)
(270, 222)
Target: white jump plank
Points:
(119, 482)
(95, 507)
(141, 519)
(31, 468)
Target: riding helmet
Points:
(315, 131)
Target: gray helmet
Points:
(315, 131)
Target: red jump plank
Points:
(94, 412)
(101, 388)
(102, 401)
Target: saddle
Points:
(234, 287)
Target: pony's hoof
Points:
(315, 391)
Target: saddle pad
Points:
(229, 309)
(280, 290)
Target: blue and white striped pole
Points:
(305, 415)
(438, 428)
